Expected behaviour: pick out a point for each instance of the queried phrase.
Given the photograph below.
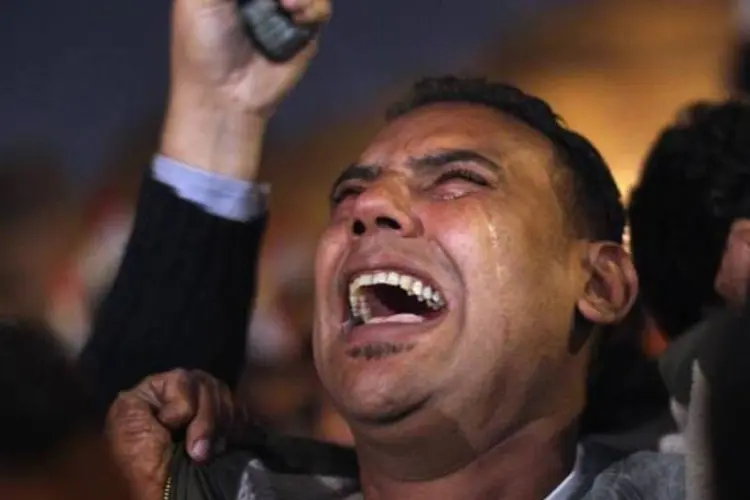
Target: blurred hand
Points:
(212, 54)
(141, 421)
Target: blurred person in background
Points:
(474, 198)
(729, 407)
(51, 447)
(36, 219)
(690, 239)
(160, 312)
(688, 216)
(148, 321)
(741, 82)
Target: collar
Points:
(571, 484)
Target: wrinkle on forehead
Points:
(528, 158)
(459, 126)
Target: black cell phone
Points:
(272, 29)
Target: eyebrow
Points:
(427, 162)
(355, 172)
(450, 156)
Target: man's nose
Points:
(385, 207)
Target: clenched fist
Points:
(141, 422)
(222, 89)
(211, 53)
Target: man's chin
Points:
(379, 400)
(378, 351)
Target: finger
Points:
(202, 429)
(225, 402)
(150, 391)
(221, 399)
(131, 419)
(309, 11)
(128, 406)
(318, 13)
(223, 406)
(177, 395)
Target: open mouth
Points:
(393, 297)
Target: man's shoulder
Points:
(644, 474)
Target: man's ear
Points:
(733, 276)
(612, 285)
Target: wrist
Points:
(214, 135)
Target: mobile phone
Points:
(273, 31)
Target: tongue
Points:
(397, 318)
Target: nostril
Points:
(358, 228)
(387, 223)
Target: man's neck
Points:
(528, 464)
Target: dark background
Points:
(78, 74)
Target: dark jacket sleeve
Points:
(181, 298)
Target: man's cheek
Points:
(326, 255)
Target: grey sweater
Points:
(293, 469)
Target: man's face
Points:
(459, 200)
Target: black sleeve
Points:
(181, 298)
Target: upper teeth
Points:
(411, 285)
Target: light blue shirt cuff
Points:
(218, 195)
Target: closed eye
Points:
(462, 174)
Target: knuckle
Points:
(179, 375)
(131, 425)
(181, 407)
(125, 403)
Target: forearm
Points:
(181, 297)
(213, 135)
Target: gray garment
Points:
(639, 476)
(644, 475)
(699, 343)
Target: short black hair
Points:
(597, 207)
(43, 400)
(694, 183)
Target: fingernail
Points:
(199, 451)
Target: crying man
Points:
(472, 253)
